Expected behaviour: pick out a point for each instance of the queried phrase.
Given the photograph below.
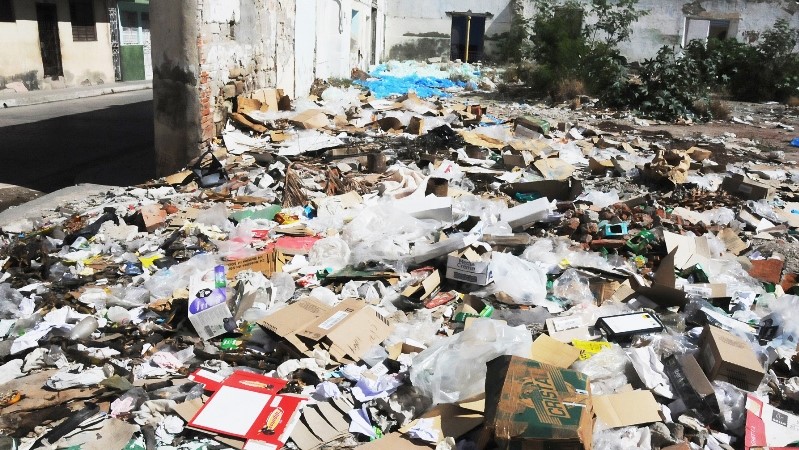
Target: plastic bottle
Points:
(84, 328)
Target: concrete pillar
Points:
(176, 81)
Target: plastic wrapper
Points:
(168, 280)
(420, 326)
(330, 252)
(785, 314)
(573, 287)
(325, 296)
(763, 209)
(10, 299)
(606, 370)
(601, 199)
(719, 216)
(383, 234)
(508, 270)
(455, 368)
(732, 402)
(283, 286)
(626, 438)
(665, 344)
(215, 216)
(84, 328)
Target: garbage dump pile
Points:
(411, 272)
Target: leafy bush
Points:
(768, 70)
(567, 48)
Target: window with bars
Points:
(84, 27)
(7, 11)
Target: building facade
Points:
(50, 44)
(438, 28)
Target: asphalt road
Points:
(103, 140)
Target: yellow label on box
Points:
(590, 348)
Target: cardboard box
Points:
(726, 357)
(472, 306)
(346, 330)
(531, 405)
(425, 289)
(471, 265)
(746, 188)
(526, 214)
(618, 410)
(768, 427)
(208, 306)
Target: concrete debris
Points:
(399, 265)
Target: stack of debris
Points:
(346, 271)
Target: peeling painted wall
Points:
(207, 52)
(665, 23)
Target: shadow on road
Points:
(112, 145)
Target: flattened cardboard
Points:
(554, 168)
(768, 427)
(626, 408)
(351, 328)
(618, 408)
(530, 403)
(568, 328)
(449, 420)
(310, 119)
(553, 352)
(424, 289)
(726, 357)
(662, 290)
(688, 250)
(731, 240)
(346, 331)
(392, 441)
(262, 262)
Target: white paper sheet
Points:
(217, 413)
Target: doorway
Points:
(475, 27)
(49, 44)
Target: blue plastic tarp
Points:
(424, 87)
(795, 142)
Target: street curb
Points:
(47, 203)
(63, 96)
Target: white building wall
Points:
(423, 26)
(83, 62)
